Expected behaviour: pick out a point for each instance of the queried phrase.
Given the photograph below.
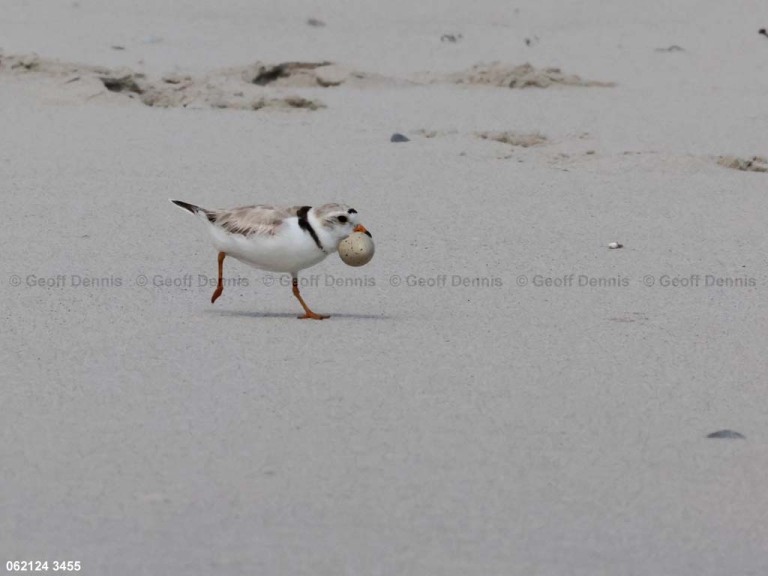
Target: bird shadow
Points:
(250, 314)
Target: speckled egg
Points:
(356, 249)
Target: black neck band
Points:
(306, 226)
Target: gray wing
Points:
(260, 220)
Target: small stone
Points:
(727, 435)
(123, 80)
(673, 48)
(315, 22)
(453, 38)
(331, 75)
(397, 137)
(615, 245)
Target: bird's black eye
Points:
(343, 219)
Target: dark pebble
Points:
(727, 434)
(451, 38)
(397, 137)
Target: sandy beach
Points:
(496, 392)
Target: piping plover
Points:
(276, 238)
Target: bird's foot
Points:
(312, 316)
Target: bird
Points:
(285, 239)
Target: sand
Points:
(496, 392)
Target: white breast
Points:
(290, 249)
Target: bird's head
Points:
(338, 221)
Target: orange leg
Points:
(220, 285)
(308, 314)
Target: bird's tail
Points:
(191, 207)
